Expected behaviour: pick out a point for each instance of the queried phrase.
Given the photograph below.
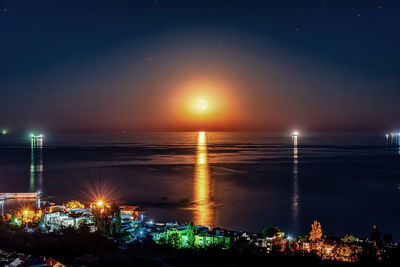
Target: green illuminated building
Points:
(191, 237)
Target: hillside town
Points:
(129, 225)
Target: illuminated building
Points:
(201, 237)
(133, 211)
(58, 218)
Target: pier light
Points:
(295, 133)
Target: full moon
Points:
(202, 104)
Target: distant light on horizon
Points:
(295, 133)
(34, 135)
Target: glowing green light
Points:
(4, 131)
(16, 222)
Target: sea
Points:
(240, 181)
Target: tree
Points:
(376, 236)
(349, 239)
(270, 231)
(107, 219)
(174, 239)
(387, 239)
(83, 227)
(302, 238)
(116, 219)
(316, 231)
(74, 204)
(102, 220)
(191, 231)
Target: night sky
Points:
(264, 65)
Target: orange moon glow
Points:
(204, 104)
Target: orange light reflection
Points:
(204, 208)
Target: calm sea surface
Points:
(239, 181)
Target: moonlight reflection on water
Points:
(204, 210)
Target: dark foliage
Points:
(64, 244)
(270, 231)
(376, 236)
